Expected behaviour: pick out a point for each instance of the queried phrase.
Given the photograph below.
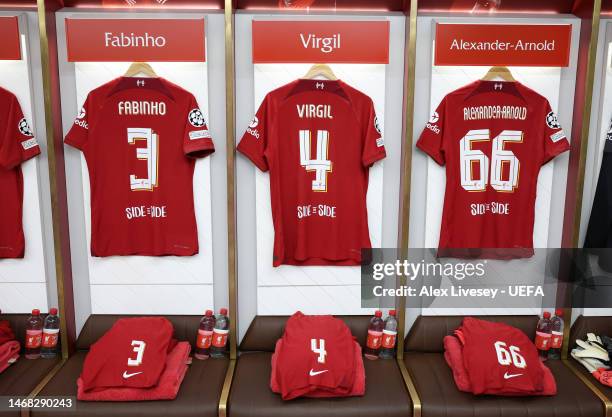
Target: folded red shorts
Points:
(358, 388)
(500, 359)
(9, 353)
(453, 354)
(131, 354)
(167, 388)
(6, 333)
(315, 355)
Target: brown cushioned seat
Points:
(601, 326)
(23, 376)
(386, 395)
(199, 394)
(440, 397)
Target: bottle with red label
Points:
(33, 339)
(544, 335)
(557, 335)
(220, 333)
(387, 351)
(205, 335)
(375, 336)
(50, 335)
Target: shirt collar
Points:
(324, 86)
(127, 83)
(507, 87)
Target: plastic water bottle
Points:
(557, 335)
(205, 335)
(33, 340)
(389, 336)
(544, 336)
(375, 332)
(220, 333)
(50, 335)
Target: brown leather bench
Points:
(22, 377)
(199, 394)
(386, 394)
(600, 325)
(440, 397)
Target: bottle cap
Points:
(378, 313)
(208, 313)
(392, 312)
(36, 312)
(559, 312)
(53, 311)
(546, 314)
(223, 311)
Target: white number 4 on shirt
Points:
(322, 165)
(320, 350)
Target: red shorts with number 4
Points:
(317, 357)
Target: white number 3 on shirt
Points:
(139, 348)
(149, 154)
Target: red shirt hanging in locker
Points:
(139, 137)
(318, 139)
(493, 138)
(17, 145)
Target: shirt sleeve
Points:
(17, 143)
(374, 145)
(254, 141)
(197, 141)
(78, 135)
(555, 141)
(431, 140)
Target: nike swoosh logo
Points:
(315, 373)
(126, 375)
(508, 376)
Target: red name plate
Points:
(350, 42)
(127, 40)
(509, 45)
(10, 47)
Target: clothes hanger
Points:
(498, 72)
(140, 68)
(320, 70)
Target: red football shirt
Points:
(315, 356)
(131, 354)
(139, 137)
(17, 144)
(500, 359)
(493, 138)
(357, 389)
(318, 139)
